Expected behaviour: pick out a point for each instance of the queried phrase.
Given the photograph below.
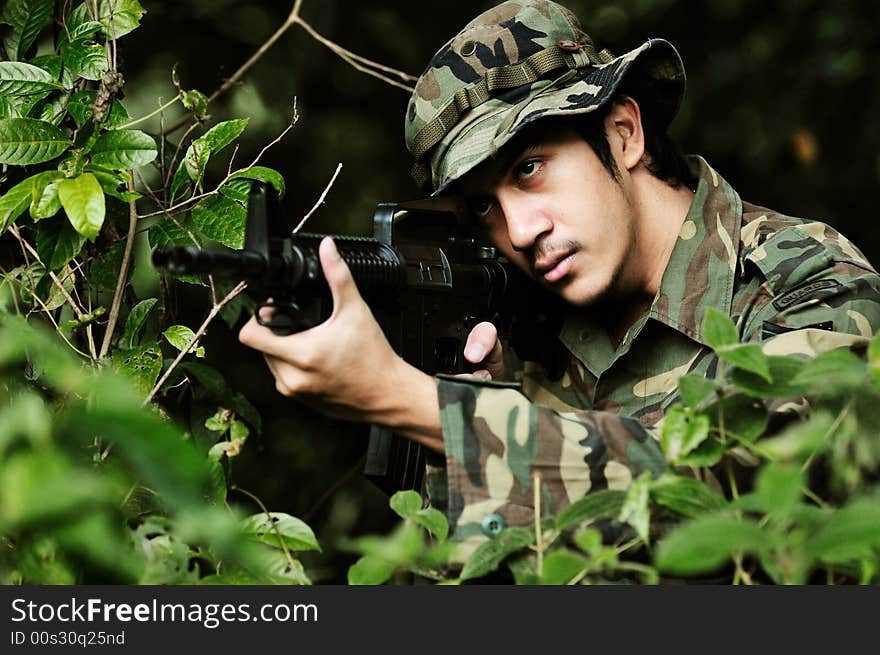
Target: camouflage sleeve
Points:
(496, 441)
(818, 293)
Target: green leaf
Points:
(237, 190)
(80, 31)
(143, 365)
(849, 529)
(124, 149)
(490, 554)
(718, 329)
(119, 17)
(589, 540)
(635, 510)
(45, 202)
(406, 503)
(695, 389)
(180, 335)
(779, 488)
(222, 134)
(262, 174)
(237, 429)
(221, 219)
(112, 183)
(682, 432)
(832, 372)
(30, 141)
(561, 566)
(874, 359)
(195, 161)
(83, 201)
(7, 109)
(26, 19)
(21, 79)
(432, 520)
(370, 570)
(15, 201)
(800, 440)
(271, 566)
(26, 416)
(743, 416)
(748, 357)
(86, 60)
(602, 504)
(38, 487)
(404, 545)
(702, 545)
(707, 453)
(137, 317)
(196, 102)
(686, 496)
(783, 371)
(209, 378)
(58, 243)
(180, 180)
(295, 534)
(54, 65)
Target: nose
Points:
(525, 220)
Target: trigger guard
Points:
(282, 321)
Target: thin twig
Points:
(360, 63)
(76, 309)
(320, 200)
(123, 275)
(539, 540)
(199, 333)
(201, 196)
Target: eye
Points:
(481, 206)
(528, 168)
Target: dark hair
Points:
(663, 158)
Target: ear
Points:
(626, 135)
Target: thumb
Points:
(338, 276)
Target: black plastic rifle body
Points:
(425, 278)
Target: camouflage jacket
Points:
(793, 285)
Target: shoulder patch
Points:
(803, 291)
(770, 330)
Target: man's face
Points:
(555, 211)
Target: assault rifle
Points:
(424, 275)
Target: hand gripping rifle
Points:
(424, 276)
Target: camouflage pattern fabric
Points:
(795, 286)
(512, 65)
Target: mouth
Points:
(555, 268)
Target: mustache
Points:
(544, 250)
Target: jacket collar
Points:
(702, 267)
(700, 274)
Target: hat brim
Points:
(656, 67)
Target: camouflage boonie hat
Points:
(518, 62)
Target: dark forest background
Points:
(782, 100)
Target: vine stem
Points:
(259, 502)
(199, 333)
(156, 111)
(539, 539)
(123, 276)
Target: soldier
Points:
(561, 152)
